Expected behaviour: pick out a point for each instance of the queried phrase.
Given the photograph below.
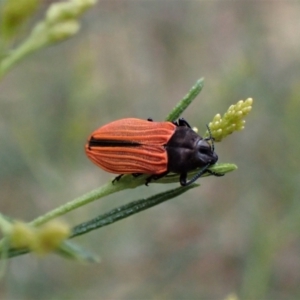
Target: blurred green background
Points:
(236, 234)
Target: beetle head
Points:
(205, 152)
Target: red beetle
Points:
(134, 146)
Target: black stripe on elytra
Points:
(112, 143)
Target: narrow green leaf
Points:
(186, 101)
(127, 210)
(73, 251)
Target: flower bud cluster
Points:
(232, 120)
(61, 18)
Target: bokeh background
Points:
(237, 234)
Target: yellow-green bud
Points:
(58, 12)
(63, 11)
(21, 235)
(50, 236)
(63, 30)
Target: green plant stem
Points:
(103, 191)
(35, 41)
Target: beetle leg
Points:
(215, 173)
(183, 122)
(155, 177)
(149, 179)
(182, 179)
(117, 178)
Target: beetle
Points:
(135, 146)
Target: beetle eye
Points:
(204, 149)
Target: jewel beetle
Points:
(135, 146)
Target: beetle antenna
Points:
(199, 174)
(210, 138)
